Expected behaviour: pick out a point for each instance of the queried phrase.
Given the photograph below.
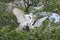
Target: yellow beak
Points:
(32, 17)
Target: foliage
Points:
(6, 33)
(6, 0)
(52, 6)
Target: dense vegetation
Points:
(8, 23)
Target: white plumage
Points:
(19, 15)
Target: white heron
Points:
(26, 21)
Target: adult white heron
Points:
(26, 21)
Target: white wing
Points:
(40, 21)
(19, 15)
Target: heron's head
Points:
(32, 16)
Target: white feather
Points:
(40, 21)
(19, 15)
